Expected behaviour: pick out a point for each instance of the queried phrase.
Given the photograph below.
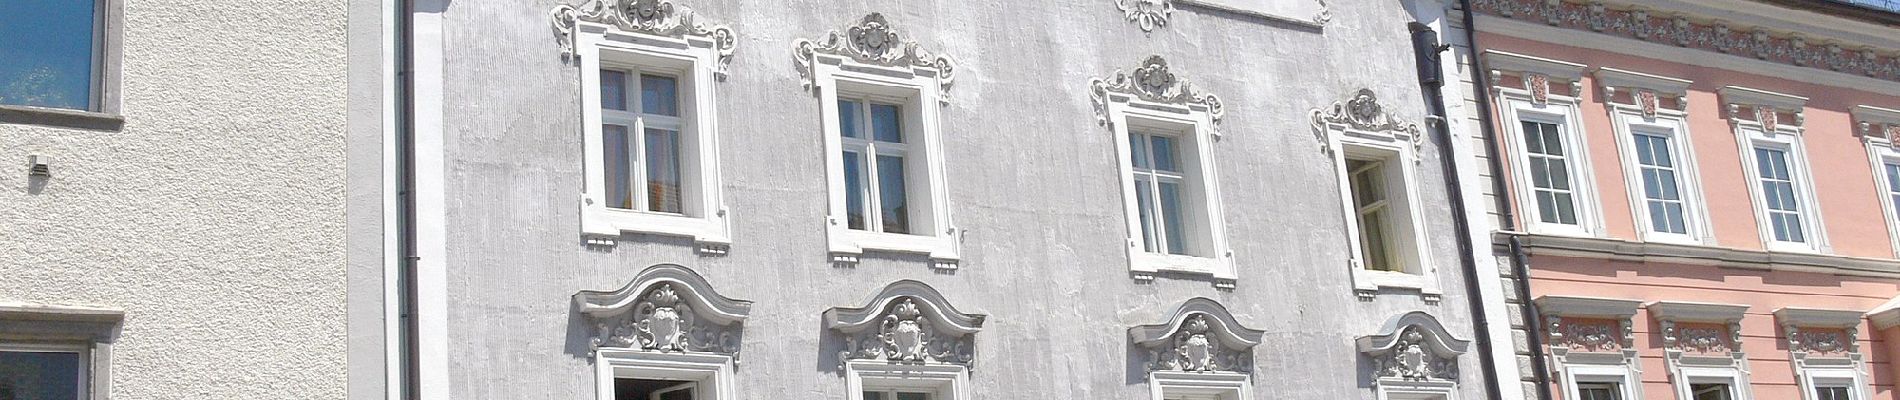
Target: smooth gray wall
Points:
(1032, 176)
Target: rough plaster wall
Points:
(214, 218)
(1031, 175)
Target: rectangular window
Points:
(643, 171)
(51, 53)
(1367, 182)
(1893, 185)
(895, 395)
(1598, 391)
(49, 375)
(653, 389)
(1779, 194)
(1158, 179)
(1831, 393)
(872, 134)
(1662, 190)
(1550, 173)
(1711, 391)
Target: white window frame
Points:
(1398, 151)
(694, 62)
(712, 372)
(1875, 124)
(89, 331)
(84, 386)
(942, 381)
(1751, 133)
(1812, 378)
(1577, 375)
(1736, 380)
(919, 91)
(1629, 120)
(1163, 385)
(1520, 104)
(1195, 129)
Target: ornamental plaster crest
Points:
(1200, 337)
(666, 308)
(1413, 347)
(1711, 34)
(1362, 112)
(1149, 14)
(1821, 342)
(872, 40)
(1152, 81)
(652, 17)
(1595, 336)
(907, 322)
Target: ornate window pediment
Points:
(1201, 336)
(1413, 347)
(907, 322)
(652, 17)
(873, 41)
(666, 308)
(1152, 82)
(1363, 113)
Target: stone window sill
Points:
(60, 118)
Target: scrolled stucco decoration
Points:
(666, 308)
(1362, 112)
(1414, 347)
(1149, 14)
(1153, 81)
(653, 17)
(1201, 336)
(907, 322)
(872, 40)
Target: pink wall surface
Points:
(1771, 373)
(1848, 197)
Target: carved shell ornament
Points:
(1196, 352)
(1363, 112)
(1153, 81)
(872, 40)
(653, 17)
(1149, 14)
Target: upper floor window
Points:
(52, 54)
(56, 352)
(1375, 155)
(44, 371)
(884, 150)
(1649, 115)
(1543, 139)
(1878, 128)
(650, 125)
(1165, 138)
(1775, 162)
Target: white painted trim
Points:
(696, 58)
(1197, 126)
(1626, 376)
(431, 209)
(1748, 134)
(1400, 389)
(1508, 61)
(1852, 376)
(1219, 385)
(1647, 252)
(1681, 377)
(1615, 77)
(1515, 106)
(1627, 120)
(942, 381)
(921, 90)
(1587, 307)
(1881, 151)
(1406, 214)
(712, 373)
(391, 87)
(1751, 96)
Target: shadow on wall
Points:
(580, 338)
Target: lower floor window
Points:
(1597, 391)
(1831, 393)
(36, 374)
(895, 395)
(654, 389)
(1711, 391)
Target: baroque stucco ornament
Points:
(667, 308)
(1153, 81)
(872, 40)
(1362, 112)
(907, 322)
(1413, 347)
(1149, 14)
(653, 17)
(1200, 337)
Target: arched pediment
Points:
(1200, 336)
(665, 308)
(1414, 347)
(908, 321)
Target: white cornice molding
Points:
(1758, 97)
(1817, 318)
(1685, 311)
(1878, 115)
(1508, 61)
(25, 312)
(1877, 124)
(1587, 307)
(1887, 315)
(1653, 252)
(1622, 78)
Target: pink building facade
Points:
(1694, 199)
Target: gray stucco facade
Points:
(1032, 180)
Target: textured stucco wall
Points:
(1032, 176)
(214, 218)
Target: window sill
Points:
(60, 118)
(603, 226)
(1146, 265)
(847, 245)
(1368, 283)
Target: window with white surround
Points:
(650, 131)
(1600, 391)
(1878, 128)
(1703, 352)
(1776, 164)
(1165, 140)
(1375, 158)
(883, 142)
(1413, 357)
(1659, 169)
(1591, 361)
(45, 371)
(908, 343)
(56, 352)
(669, 357)
(1824, 350)
(1554, 187)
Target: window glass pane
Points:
(1137, 151)
(1710, 391)
(849, 118)
(887, 123)
(1645, 150)
(1560, 175)
(1547, 207)
(1533, 137)
(891, 194)
(1165, 154)
(1144, 205)
(663, 170)
(618, 166)
(1566, 209)
(870, 395)
(1366, 186)
(659, 95)
(1171, 217)
(1597, 392)
(39, 375)
(46, 53)
(1831, 393)
(912, 396)
(613, 90)
(682, 394)
(854, 195)
(1372, 232)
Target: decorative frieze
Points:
(1200, 337)
(1763, 107)
(1646, 91)
(652, 17)
(1413, 347)
(666, 308)
(1362, 112)
(1153, 81)
(907, 322)
(1877, 123)
(873, 41)
(1638, 23)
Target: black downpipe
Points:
(1431, 80)
(405, 221)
